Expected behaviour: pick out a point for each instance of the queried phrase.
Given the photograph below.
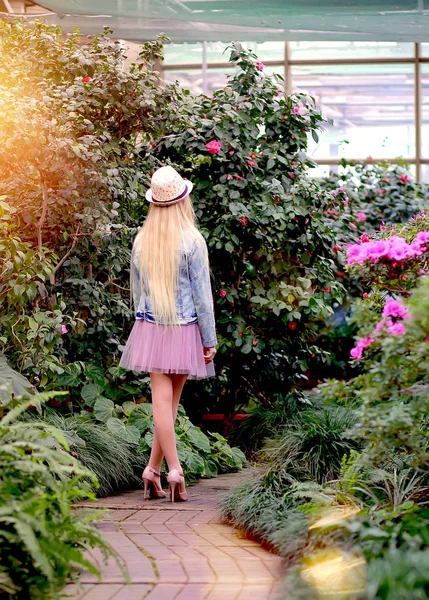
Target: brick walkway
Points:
(180, 551)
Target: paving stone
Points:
(165, 591)
(225, 591)
(194, 592)
(133, 592)
(255, 592)
(171, 571)
(103, 591)
(179, 551)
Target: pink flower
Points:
(369, 159)
(333, 193)
(244, 221)
(379, 191)
(239, 178)
(255, 342)
(364, 237)
(394, 308)
(259, 65)
(396, 328)
(422, 272)
(222, 293)
(291, 175)
(296, 109)
(404, 178)
(213, 147)
(362, 343)
(229, 177)
(346, 202)
(385, 179)
(231, 152)
(63, 329)
(380, 326)
(341, 189)
(250, 163)
(361, 217)
(352, 226)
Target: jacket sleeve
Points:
(135, 288)
(199, 276)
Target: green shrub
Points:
(42, 540)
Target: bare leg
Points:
(162, 405)
(157, 455)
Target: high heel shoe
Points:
(151, 489)
(176, 480)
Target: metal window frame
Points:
(287, 63)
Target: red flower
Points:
(239, 178)
(240, 333)
(257, 257)
(86, 79)
(292, 325)
(364, 237)
(253, 155)
(337, 248)
(365, 295)
(222, 293)
(250, 163)
(291, 175)
(404, 178)
(341, 274)
(244, 221)
(213, 147)
(133, 95)
(255, 342)
(327, 289)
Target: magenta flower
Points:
(296, 109)
(396, 328)
(422, 272)
(63, 329)
(379, 191)
(214, 147)
(380, 326)
(222, 293)
(341, 188)
(394, 308)
(259, 65)
(404, 178)
(361, 217)
(229, 177)
(250, 163)
(362, 343)
(333, 193)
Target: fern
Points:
(42, 540)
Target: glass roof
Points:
(223, 20)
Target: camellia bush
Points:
(271, 250)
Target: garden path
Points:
(180, 551)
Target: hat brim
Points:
(189, 188)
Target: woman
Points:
(174, 335)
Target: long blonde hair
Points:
(157, 247)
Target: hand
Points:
(209, 354)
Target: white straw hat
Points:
(168, 187)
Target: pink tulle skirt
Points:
(166, 349)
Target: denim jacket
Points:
(194, 301)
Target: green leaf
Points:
(129, 407)
(129, 433)
(210, 468)
(198, 439)
(90, 393)
(315, 136)
(103, 409)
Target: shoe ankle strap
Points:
(153, 471)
